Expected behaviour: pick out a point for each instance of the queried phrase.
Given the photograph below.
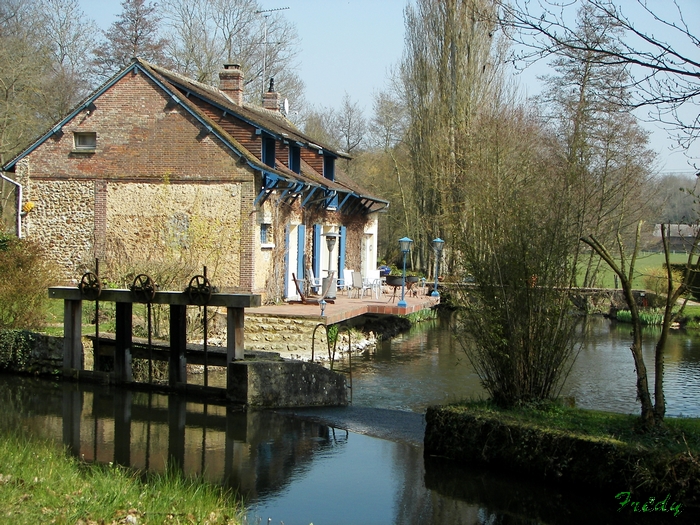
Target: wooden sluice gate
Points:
(178, 302)
(251, 380)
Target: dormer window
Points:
(329, 167)
(295, 158)
(84, 141)
(268, 151)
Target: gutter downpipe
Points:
(18, 204)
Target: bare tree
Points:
(134, 34)
(665, 76)
(606, 155)
(387, 126)
(45, 45)
(70, 37)
(204, 34)
(350, 124)
(675, 199)
(449, 71)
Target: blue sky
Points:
(350, 45)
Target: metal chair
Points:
(314, 283)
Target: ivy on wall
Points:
(15, 349)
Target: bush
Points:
(26, 276)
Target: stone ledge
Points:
(555, 456)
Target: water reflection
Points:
(429, 367)
(603, 376)
(290, 470)
(299, 471)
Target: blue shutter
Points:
(316, 262)
(341, 252)
(301, 247)
(286, 261)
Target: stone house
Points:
(155, 170)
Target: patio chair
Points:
(374, 281)
(314, 283)
(358, 283)
(346, 282)
(305, 299)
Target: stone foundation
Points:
(267, 384)
(292, 337)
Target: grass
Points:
(648, 263)
(677, 435)
(54, 318)
(40, 483)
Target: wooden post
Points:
(72, 345)
(177, 364)
(122, 350)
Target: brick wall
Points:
(152, 171)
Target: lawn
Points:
(647, 264)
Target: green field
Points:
(648, 263)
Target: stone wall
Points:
(291, 337)
(165, 225)
(63, 222)
(270, 384)
(30, 352)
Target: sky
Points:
(351, 45)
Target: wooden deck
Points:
(349, 307)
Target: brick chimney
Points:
(271, 99)
(231, 82)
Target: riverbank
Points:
(41, 483)
(597, 450)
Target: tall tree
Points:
(449, 69)
(607, 159)
(135, 33)
(484, 177)
(70, 38)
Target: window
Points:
(85, 141)
(295, 158)
(268, 151)
(266, 240)
(329, 167)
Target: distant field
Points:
(647, 263)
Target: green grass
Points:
(54, 318)
(646, 263)
(677, 435)
(40, 483)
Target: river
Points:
(293, 469)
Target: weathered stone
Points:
(285, 384)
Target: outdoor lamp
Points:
(438, 245)
(331, 239)
(405, 245)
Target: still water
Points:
(299, 471)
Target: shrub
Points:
(26, 276)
